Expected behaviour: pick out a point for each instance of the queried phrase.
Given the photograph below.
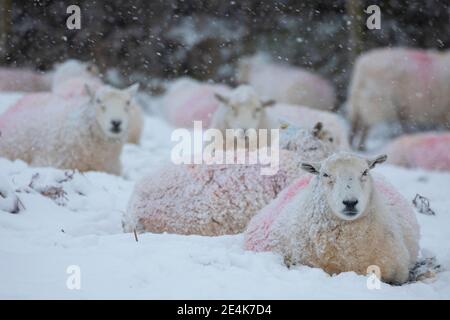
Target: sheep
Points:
(429, 150)
(306, 117)
(71, 79)
(399, 84)
(243, 108)
(187, 100)
(215, 200)
(340, 219)
(23, 80)
(293, 85)
(86, 133)
(9, 202)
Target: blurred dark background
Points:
(161, 39)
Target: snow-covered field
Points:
(75, 219)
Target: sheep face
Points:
(112, 108)
(346, 181)
(243, 108)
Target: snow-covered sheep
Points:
(23, 80)
(286, 83)
(9, 202)
(398, 84)
(243, 108)
(188, 100)
(306, 117)
(86, 133)
(429, 150)
(341, 219)
(216, 199)
(71, 79)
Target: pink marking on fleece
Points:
(256, 236)
(26, 102)
(258, 230)
(430, 151)
(424, 63)
(197, 107)
(395, 198)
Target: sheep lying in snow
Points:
(71, 79)
(306, 117)
(402, 85)
(243, 109)
(188, 100)
(423, 150)
(9, 202)
(342, 219)
(23, 80)
(285, 83)
(216, 199)
(86, 133)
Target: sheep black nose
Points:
(116, 124)
(350, 203)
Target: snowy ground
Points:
(75, 219)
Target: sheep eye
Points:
(365, 173)
(325, 175)
(330, 139)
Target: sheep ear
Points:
(311, 167)
(91, 68)
(268, 103)
(379, 159)
(133, 89)
(221, 98)
(317, 129)
(89, 91)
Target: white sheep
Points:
(341, 219)
(217, 199)
(397, 84)
(9, 202)
(306, 117)
(86, 133)
(71, 79)
(286, 83)
(243, 108)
